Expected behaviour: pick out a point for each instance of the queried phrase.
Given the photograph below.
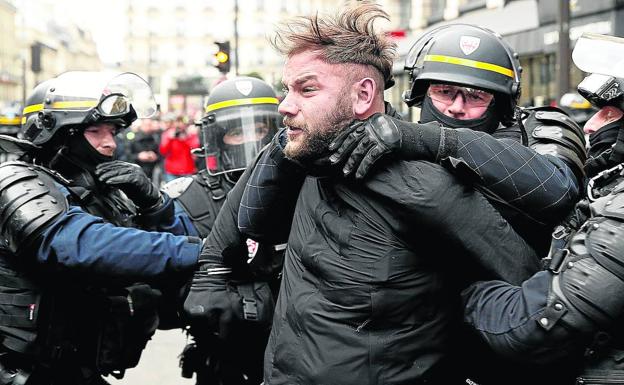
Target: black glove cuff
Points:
(212, 255)
(448, 144)
(160, 213)
(419, 141)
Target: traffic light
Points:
(35, 58)
(223, 56)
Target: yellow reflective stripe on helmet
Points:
(61, 105)
(32, 108)
(470, 63)
(10, 121)
(241, 102)
(75, 104)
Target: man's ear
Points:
(364, 92)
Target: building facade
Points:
(172, 44)
(37, 42)
(10, 60)
(529, 26)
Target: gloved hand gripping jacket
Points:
(364, 142)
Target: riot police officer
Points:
(241, 118)
(466, 79)
(572, 310)
(72, 262)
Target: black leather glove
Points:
(216, 303)
(210, 303)
(131, 179)
(363, 143)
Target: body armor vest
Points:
(48, 319)
(202, 211)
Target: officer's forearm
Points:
(508, 317)
(539, 185)
(115, 251)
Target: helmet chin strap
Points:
(488, 122)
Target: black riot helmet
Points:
(466, 55)
(241, 117)
(78, 99)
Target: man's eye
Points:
(476, 96)
(308, 89)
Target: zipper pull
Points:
(31, 312)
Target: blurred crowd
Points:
(162, 146)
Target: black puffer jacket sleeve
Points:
(541, 186)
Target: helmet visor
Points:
(81, 90)
(237, 135)
(114, 105)
(600, 54)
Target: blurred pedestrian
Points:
(176, 144)
(143, 146)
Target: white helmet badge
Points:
(469, 44)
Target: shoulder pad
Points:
(554, 115)
(177, 187)
(18, 147)
(551, 131)
(29, 202)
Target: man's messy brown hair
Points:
(345, 38)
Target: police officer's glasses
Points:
(114, 105)
(445, 93)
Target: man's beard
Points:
(315, 138)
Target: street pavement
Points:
(159, 362)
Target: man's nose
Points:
(287, 107)
(458, 105)
(108, 140)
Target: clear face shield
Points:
(233, 137)
(603, 57)
(102, 96)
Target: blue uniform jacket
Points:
(83, 242)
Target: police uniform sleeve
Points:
(85, 243)
(527, 177)
(38, 219)
(268, 201)
(507, 317)
(170, 218)
(542, 186)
